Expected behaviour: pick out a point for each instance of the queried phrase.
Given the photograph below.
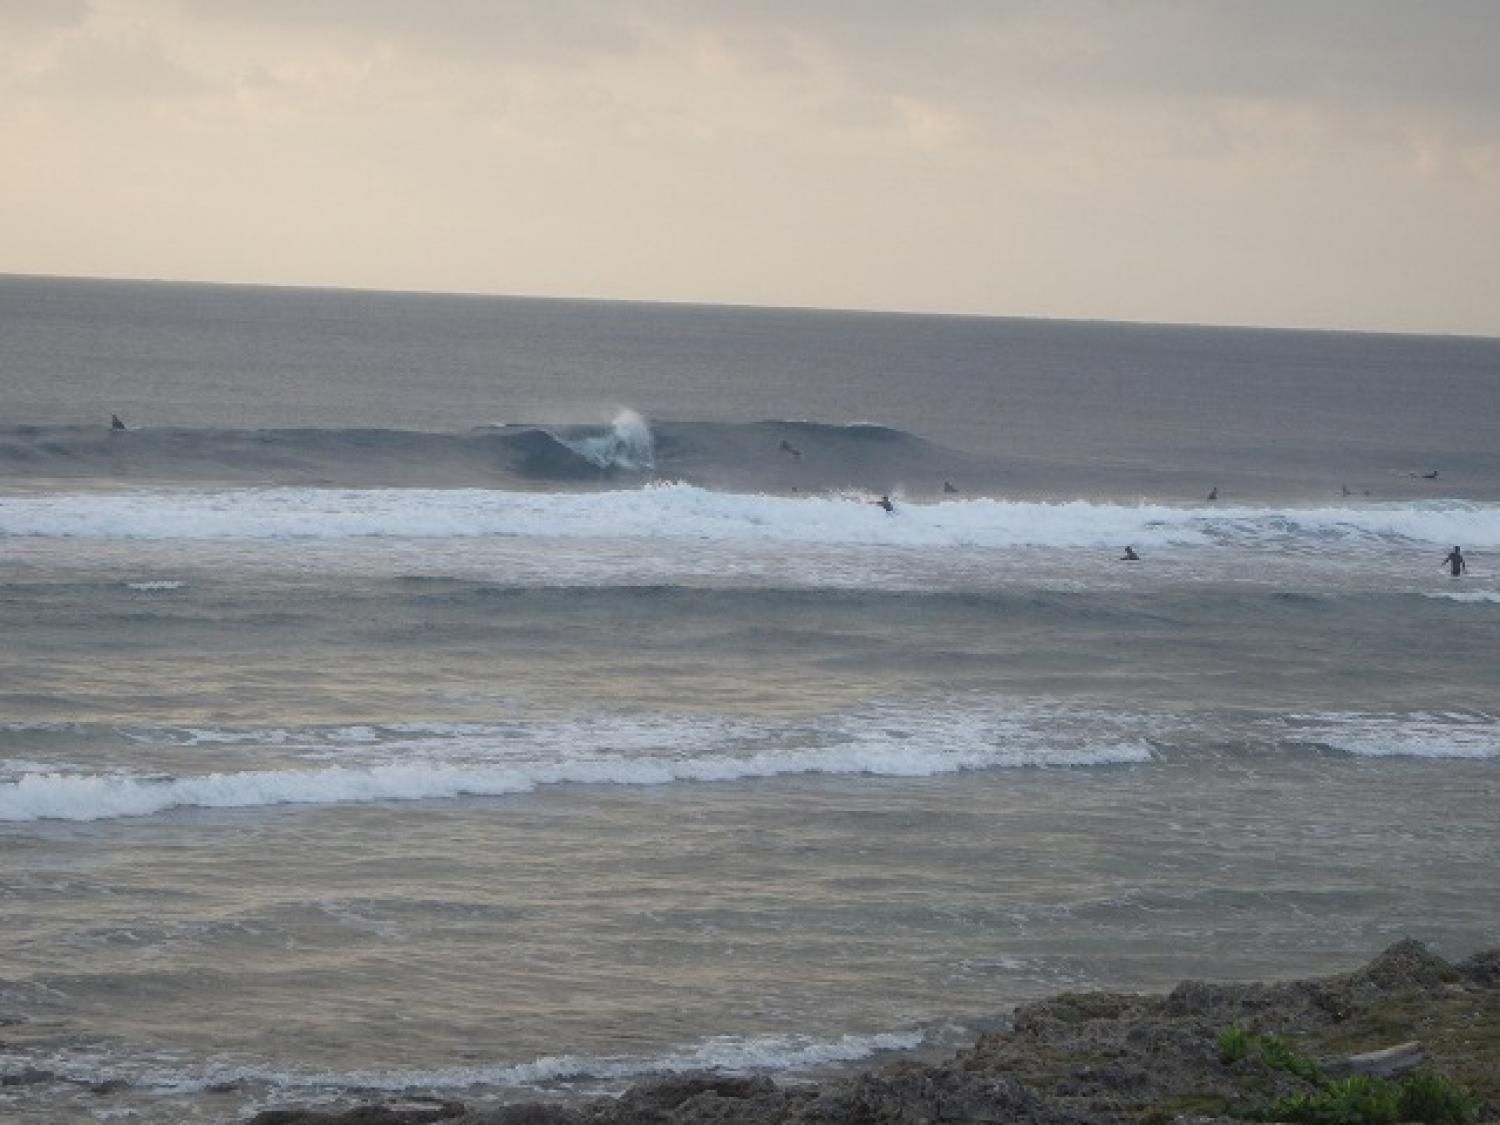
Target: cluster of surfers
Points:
(1454, 560)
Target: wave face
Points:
(718, 454)
(677, 512)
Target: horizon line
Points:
(477, 294)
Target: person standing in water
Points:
(1455, 562)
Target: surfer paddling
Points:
(1455, 562)
(115, 423)
(1130, 555)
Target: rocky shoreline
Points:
(1200, 1053)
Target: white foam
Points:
(416, 762)
(1472, 597)
(629, 445)
(1420, 735)
(676, 512)
(724, 1054)
(58, 796)
(154, 587)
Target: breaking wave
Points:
(628, 445)
(84, 797)
(679, 512)
(1459, 735)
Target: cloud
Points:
(34, 14)
(981, 155)
(130, 67)
(555, 32)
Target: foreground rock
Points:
(1087, 1057)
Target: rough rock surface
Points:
(1083, 1057)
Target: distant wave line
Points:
(55, 796)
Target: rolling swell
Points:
(352, 457)
(749, 455)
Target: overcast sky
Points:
(1320, 163)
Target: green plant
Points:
(1436, 1100)
(1234, 1043)
(1361, 1100)
(1354, 1101)
(1280, 1056)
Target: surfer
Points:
(1344, 490)
(788, 447)
(948, 488)
(1455, 562)
(885, 502)
(1213, 493)
(1130, 555)
(115, 423)
(1430, 476)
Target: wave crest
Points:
(679, 512)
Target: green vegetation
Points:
(1353, 1101)
(1436, 1100)
(1234, 1044)
(1460, 1031)
(1358, 1100)
(1279, 1055)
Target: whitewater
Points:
(684, 512)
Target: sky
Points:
(1299, 163)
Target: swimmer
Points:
(1130, 555)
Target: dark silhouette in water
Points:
(1213, 493)
(1130, 555)
(115, 423)
(1430, 476)
(1344, 490)
(948, 487)
(788, 447)
(1455, 562)
(884, 502)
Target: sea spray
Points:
(628, 445)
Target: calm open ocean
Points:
(498, 698)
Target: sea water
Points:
(499, 699)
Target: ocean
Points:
(504, 699)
